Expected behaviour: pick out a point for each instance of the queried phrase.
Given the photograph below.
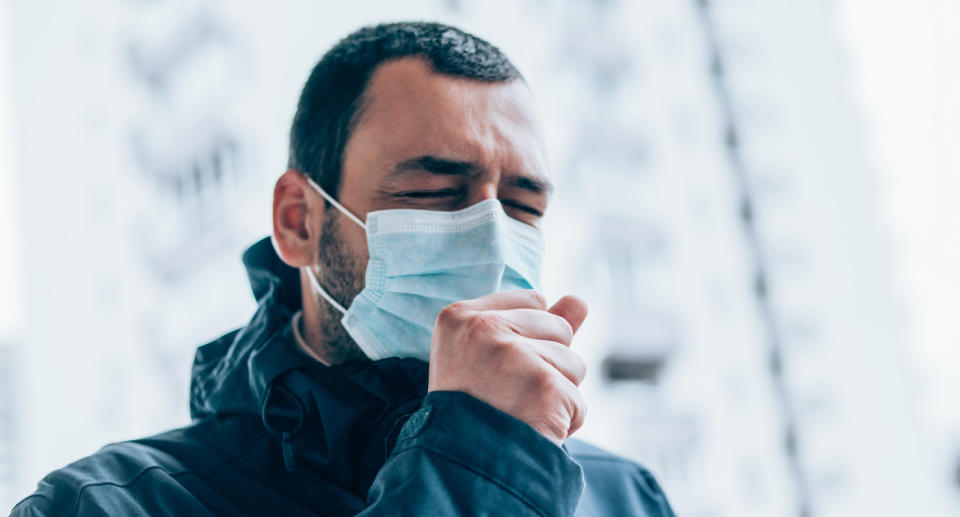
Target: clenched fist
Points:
(512, 352)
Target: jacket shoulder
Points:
(616, 485)
(120, 479)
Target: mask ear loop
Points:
(313, 279)
(322, 291)
(335, 203)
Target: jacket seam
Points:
(31, 496)
(134, 479)
(453, 459)
(608, 459)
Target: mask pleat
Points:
(421, 261)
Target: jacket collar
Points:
(337, 421)
(270, 276)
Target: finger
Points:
(578, 410)
(538, 324)
(561, 357)
(572, 309)
(520, 299)
(575, 403)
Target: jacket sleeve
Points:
(33, 506)
(460, 456)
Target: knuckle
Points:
(481, 324)
(544, 382)
(507, 353)
(453, 312)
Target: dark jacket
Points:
(276, 433)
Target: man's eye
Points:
(426, 194)
(521, 206)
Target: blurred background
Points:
(757, 199)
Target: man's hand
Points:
(508, 350)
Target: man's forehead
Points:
(411, 109)
(414, 81)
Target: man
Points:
(405, 234)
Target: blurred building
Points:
(727, 206)
(713, 207)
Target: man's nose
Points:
(482, 192)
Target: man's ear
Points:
(295, 226)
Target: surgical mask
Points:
(423, 260)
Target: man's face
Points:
(434, 142)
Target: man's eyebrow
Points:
(535, 185)
(447, 167)
(435, 165)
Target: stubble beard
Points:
(343, 280)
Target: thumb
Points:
(572, 309)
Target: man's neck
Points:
(296, 323)
(327, 340)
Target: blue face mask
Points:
(423, 260)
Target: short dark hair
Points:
(332, 98)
